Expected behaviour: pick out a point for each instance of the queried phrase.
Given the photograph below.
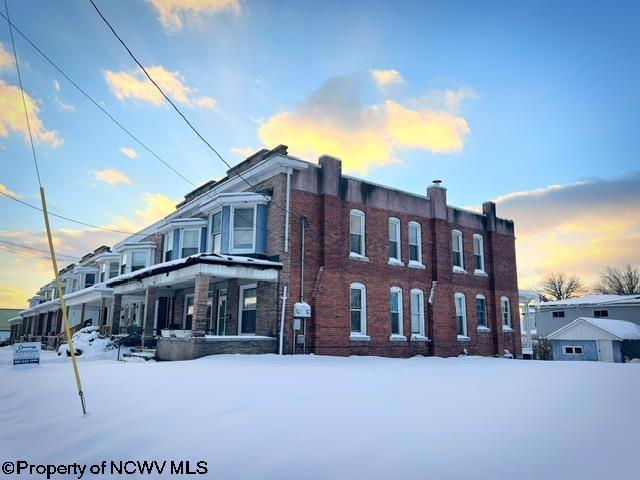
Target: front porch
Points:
(201, 305)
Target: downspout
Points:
(303, 224)
(284, 304)
(286, 214)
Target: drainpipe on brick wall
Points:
(286, 210)
(284, 305)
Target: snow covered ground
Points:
(331, 418)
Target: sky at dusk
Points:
(532, 104)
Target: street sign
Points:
(26, 353)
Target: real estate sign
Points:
(28, 352)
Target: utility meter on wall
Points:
(301, 310)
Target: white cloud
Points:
(244, 152)
(112, 176)
(129, 152)
(6, 59)
(173, 13)
(134, 84)
(6, 191)
(385, 78)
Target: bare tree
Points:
(619, 281)
(560, 286)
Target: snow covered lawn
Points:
(331, 418)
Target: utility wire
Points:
(175, 107)
(122, 127)
(28, 247)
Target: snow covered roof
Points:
(620, 329)
(191, 260)
(594, 300)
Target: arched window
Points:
(395, 309)
(394, 240)
(415, 243)
(461, 314)
(358, 309)
(456, 250)
(481, 311)
(417, 313)
(356, 233)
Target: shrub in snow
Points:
(88, 342)
(507, 354)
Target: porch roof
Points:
(210, 264)
(89, 294)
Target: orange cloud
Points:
(172, 13)
(385, 78)
(12, 297)
(129, 152)
(112, 176)
(12, 116)
(6, 191)
(6, 60)
(333, 121)
(134, 84)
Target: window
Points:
(74, 285)
(461, 314)
(415, 242)
(138, 260)
(123, 263)
(358, 309)
(558, 314)
(395, 309)
(394, 239)
(168, 246)
(478, 252)
(572, 350)
(356, 232)
(506, 312)
(216, 231)
(89, 279)
(188, 312)
(243, 229)
(481, 311)
(601, 313)
(456, 249)
(113, 269)
(190, 241)
(248, 302)
(417, 312)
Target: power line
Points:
(28, 247)
(175, 107)
(122, 127)
(79, 222)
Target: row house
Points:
(284, 255)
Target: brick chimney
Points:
(331, 174)
(489, 209)
(437, 195)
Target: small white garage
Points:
(595, 339)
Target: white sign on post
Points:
(28, 352)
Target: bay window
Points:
(190, 242)
(243, 231)
(89, 279)
(123, 263)
(113, 269)
(138, 260)
(168, 247)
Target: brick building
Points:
(385, 272)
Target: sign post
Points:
(24, 353)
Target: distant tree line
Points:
(613, 280)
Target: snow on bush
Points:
(89, 343)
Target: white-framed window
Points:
(243, 232)
(138, 260)
(394, 239)
(456, 249)
(167, 253)
(247, 309)
(461, 314)
(506, 312)
(123, 263)
(395, 310)
(481, 311)
(358, 308)
(478, 252)
(190, 242)
(356, 233)
(417, 312)
(113, 269)
(415, 242)
(572, 350)
(89, 280)
(216, 231)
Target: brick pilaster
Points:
(201, 294)
(116, 310)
